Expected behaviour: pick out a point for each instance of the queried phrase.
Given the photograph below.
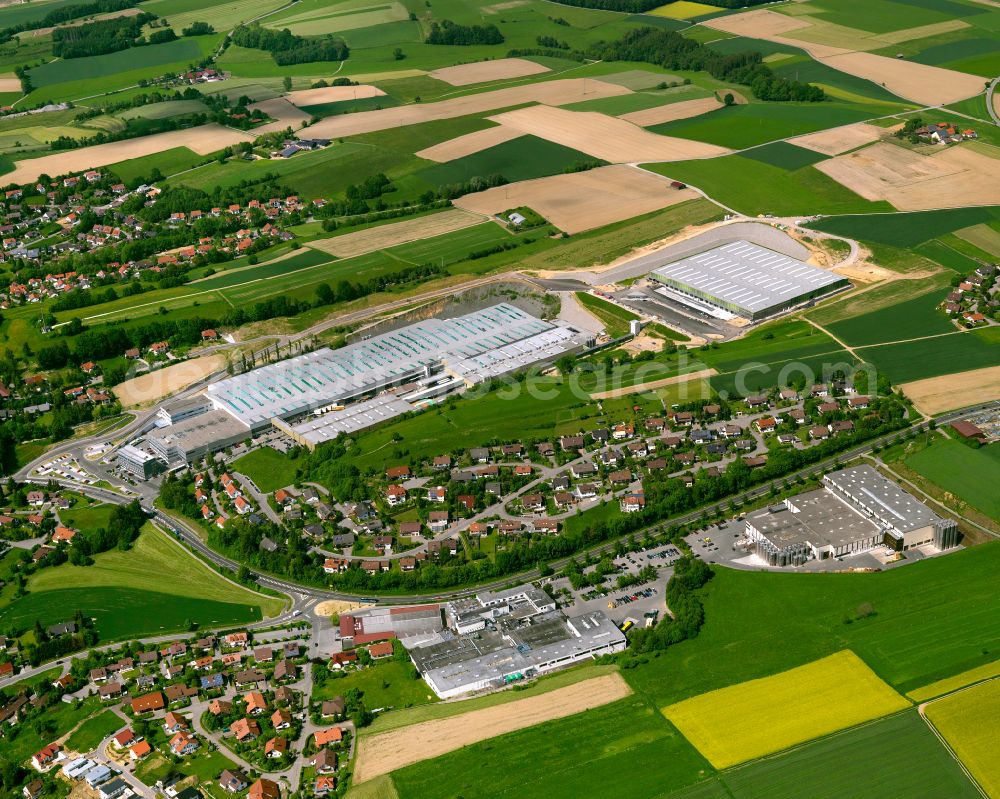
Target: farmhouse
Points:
(856, 510)
(745, 280)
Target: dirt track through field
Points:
(936, 395)
(654, 384)
(148, 388)
(601, 136)
(918, 82)
(553, 92)
(955, 177)
(332, 94)
(202, 140)
(582, 200)
(383, 236)
(671, 112)
(839, 140)
(384, 753)
(468, 144)
(284, 114)
(483, 71)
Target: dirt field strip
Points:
(553, 92)
(386, 752)
(839, 140)
(332, 94)
(383, 236)
(284, 114)
(331, 607)
(202, 140)
(10, 83)
(672, 112)
(483, 71)
(468, 144)
(654, 384)
(936, 395)
(955, 177)
(608, 138)
(154, 386)
(918, 82)
(582, 200)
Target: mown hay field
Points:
(756, 718)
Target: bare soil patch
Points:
(839, 140)
(284, 114)
(9, 84)
(468, 144)
(378, 238)
(154, 386)
(483, 71)
(840, 49)
(331, 607)
(608, 138)
(672, 111)
(203, 140)
(332, 94)
(582, 200)
(388, 751)
(955, 177)
(945, 393)
(654, 384)
(553, 92)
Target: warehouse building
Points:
(501, 638)
(197, 436)
(745, 280)
(856, 510)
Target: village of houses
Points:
(204, 719)
(974, 301)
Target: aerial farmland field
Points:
(968, 720)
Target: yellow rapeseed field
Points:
(759, 717)
(684, 9)
(970, 722)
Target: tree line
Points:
(449, 32)
(287, 48)
(98, 38)
(66, 14)
(672, 51)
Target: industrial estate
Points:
(475, 399)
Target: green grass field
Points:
(906, 229)
(895, 757)
(152, 588)
(388, 684)
(626, 740)
(267, 467)
(909, 319)
(923, 630)
(169, 162)
(755, 187)
(89, 735)
(944, 354)
(970, 722)
(970, 474)
(615, 319)
(795, 706)
(84, 517)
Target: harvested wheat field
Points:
(9, 83)
(469, 143)
(155, 386)
(203, 140)
(672, 112)
(955, 177)
(841, 48)
(582, 200)
(388, 751)
(284, 114)
(948, 392)
(332, 94)
(553, 92)
(483, 71)
(383, 236)
(839, 140)
(608, 138)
